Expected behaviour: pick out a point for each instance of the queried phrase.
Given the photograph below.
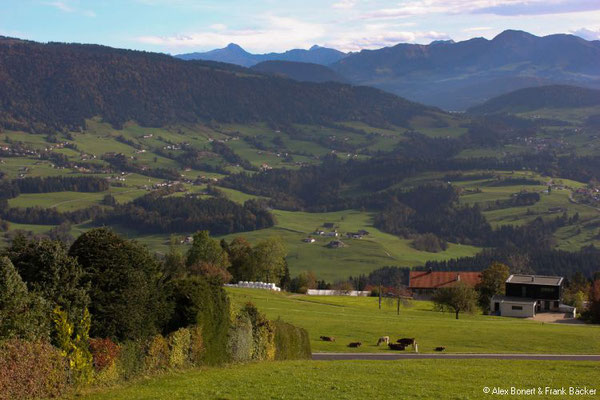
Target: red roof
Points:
(438, 279)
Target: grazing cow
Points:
(328, 338)
(396, 346)
(383, 339)
(355, 344)
(440, 348)
(406, 341)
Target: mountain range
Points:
(234, 54)
(452, 75)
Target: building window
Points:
(520, 308)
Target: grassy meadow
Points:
(406, 379)
(352, 319)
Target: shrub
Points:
(200, 301)
(240, 342)
(157, 357)
(179, 345)
(104, 353)
(31, 370)
(196, 345)
(263, 334)
(132, 360)
(73, 343)
(291, 342)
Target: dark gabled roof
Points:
(536, 280)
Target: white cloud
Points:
(62, 6)
(478, 29)
(67, 6)
(410, 8)
(588, 34)
(345, 4)
(276, 34)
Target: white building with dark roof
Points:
(528, 295)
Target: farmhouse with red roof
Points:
(422, 284)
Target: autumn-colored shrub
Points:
(197, 347)
(31, 370)
(157, 357)
(263, 334)
(73, 342)
(179, 346)
(104, 353)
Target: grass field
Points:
(414, 379)
(351, 319)
(376, 250)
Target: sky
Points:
(183, 26)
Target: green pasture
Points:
(407, 379)
(358, 319)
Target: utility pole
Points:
(380, 296)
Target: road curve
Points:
(450, 356)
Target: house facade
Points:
(528, 295)
(423, 284)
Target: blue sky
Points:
(178, 26)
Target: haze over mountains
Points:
(234, 54)
(452, 75)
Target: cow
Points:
(441, 348)
(328, 338)
(406, 341)
(396, 346)
(383, 339)
(355, 344)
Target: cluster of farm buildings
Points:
(526, 295)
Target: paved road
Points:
(450, 356)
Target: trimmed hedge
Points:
(31, 370)
(202, 302)
(240, 342)
(291, 342)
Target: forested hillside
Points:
(530, 99)
(55, 86)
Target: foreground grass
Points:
(407, 379)
(351, 319)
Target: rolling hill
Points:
(303, 72)
(531, 99)
(56, 86)
(458, 75)
(234, 54)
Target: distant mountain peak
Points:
(235, 47)
(315, 47)
(513, 34)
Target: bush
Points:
(180, 345)
(291, 342)
(200, 301)
(197, 348)
(132, 360)
(240, 342)
(104, 353)
(73, 342)
(263, 334)
(157, 357)
(31, 370)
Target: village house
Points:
(528, 295)
(423, 284)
